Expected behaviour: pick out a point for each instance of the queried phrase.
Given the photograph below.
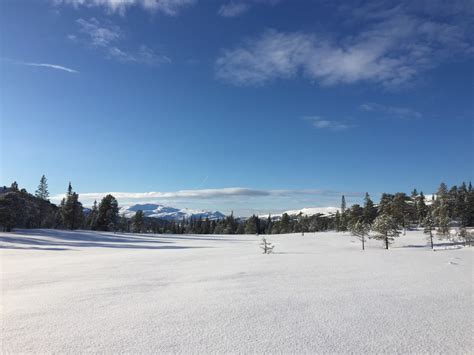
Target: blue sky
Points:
(251, 105)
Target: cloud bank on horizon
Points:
(232, 196)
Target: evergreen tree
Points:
(343, 204)
(386, 229)
(370, 212)
(92, 217)
(71, 210)
(360, 229)
(124, 225)
(285, 223)
(421, 208)
(252, 225)
(470, 206)
(385, 205)
(42, 191)
(428, 223)
(269, 225)
(138, 221)
(108, 213)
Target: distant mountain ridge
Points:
(169, 213)
(308, 211)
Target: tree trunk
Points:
(363, 246)
(386, 242)
(431, 239)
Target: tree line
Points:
(448, 207)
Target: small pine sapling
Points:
(266, 246)
(429, 227)
(361, 230)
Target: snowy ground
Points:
(71, 292)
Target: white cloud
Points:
(99, 35)
(402, 112)
(233, 9)
(168, 7)
(108, 38)
(322, 123)
(392, 49)
(51, 66)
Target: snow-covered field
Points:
(77, 292)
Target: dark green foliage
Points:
(360, 229)
(370, 212)
(386, 228)
(428, 224)
(91, 219)
(71, 210)
(252, 225)
(19, 209)
(42, 191)
(108, 214)
(138, 221)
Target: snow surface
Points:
(307, 211)
(87, 292)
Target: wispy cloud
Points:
(392, 49)
(233, 9)
(323, 123)
(402, 112)
(52, 66)
(168, 7)
(108, 38)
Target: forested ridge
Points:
(449, 207)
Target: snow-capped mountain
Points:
(308, 211)
(169, 213)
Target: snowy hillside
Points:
(168, 213)
(67, 292)
(309, 211)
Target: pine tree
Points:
(429, 226)
(361, 230)
(343, 217)
(42, 191)
(441, 210)
(385, 205)
(71, 210)
(370, 212)
(252, 225)
(343, 204)
(337, 222)
(138, 221)
(107, 215)
(285, 223)
(92, 217)
(386, 228)
(470, 206)
(124, 225)
(421, 208)
(268, 227)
